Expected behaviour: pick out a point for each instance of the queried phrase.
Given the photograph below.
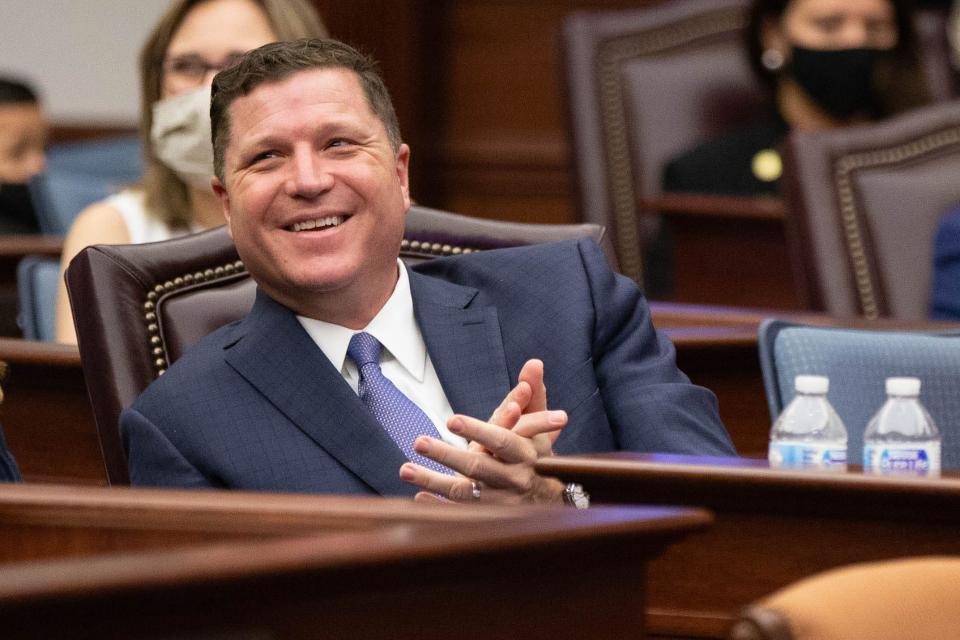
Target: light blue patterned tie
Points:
(401, 418)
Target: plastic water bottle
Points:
(809, 433)
(902, 437)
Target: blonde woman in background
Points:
(192, 42)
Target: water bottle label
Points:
(902, 459)
(813, 456)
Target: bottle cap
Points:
(811, 384)
(909, 387)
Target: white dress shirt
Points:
(404, 359)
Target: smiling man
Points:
(355, 374)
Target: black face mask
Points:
(840, 81)
(16, 209)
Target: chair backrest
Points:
(81, 173)
(902, 598)
(37, 280)
(642, 86)
(137, 308)
(863, 207)
(858, 361)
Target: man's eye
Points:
(263, 155)
(338, 142)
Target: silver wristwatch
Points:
(575, 496)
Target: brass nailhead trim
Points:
(154, 340)
(610, 57)
(434, 248)
(844, 168)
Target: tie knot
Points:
(364, 349)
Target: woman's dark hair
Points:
(16, 92)
(900, 80)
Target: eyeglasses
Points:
(192, 69)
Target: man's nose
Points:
(310, 175)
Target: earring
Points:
(772, 59)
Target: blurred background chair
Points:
(641, 86)
(81, 173)
(857, 363)
(141, 306)
(644, 85)
(863, 205)
(37, 280)
(903, 598)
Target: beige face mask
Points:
(181, 136)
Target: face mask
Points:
(840, 81)
(16, 208)
(181, 136)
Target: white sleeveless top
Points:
(141, 226)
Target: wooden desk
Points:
(12, 249)
(728, 250)
(771, 527)
(123, 563)
(46, 414)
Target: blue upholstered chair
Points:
(857, 363)
(37, 280)
(81, 173)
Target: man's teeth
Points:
(319, 223)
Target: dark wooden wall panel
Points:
(477, 89)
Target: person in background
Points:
(23, 135)
(192, 41)
(825, 63)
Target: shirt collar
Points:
(395, 326)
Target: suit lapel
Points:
(273, 353)
(464, 343)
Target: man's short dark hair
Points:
(16, 92)
(277, 61)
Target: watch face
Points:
(576, 496)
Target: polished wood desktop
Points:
(772, 527)
(133, 563)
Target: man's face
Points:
(23, 134)
(314, 194)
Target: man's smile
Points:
(317, 223)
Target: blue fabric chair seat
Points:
(37, 280)
(81, 173)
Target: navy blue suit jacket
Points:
(945, 298)
(256, 405)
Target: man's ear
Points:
(403, 173)
(221, 192)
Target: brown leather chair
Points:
(642, 86)
(863, 205)
(904, 598)
(137, 308)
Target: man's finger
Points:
(532, 374)
(541, 422)
(520, 395)
(456, 488)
